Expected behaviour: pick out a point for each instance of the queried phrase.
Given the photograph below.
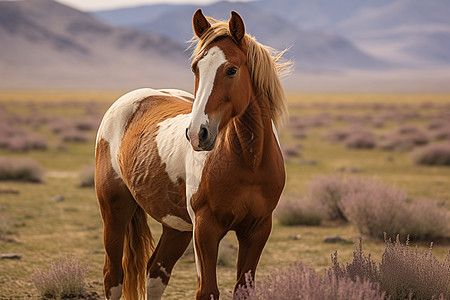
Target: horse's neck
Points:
(250, 133)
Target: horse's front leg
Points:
(207, 235)
(251, 243)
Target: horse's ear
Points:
(200, 23)
(237, 28)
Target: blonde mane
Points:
(265, 64)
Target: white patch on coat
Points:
(195, 161)
(115, 292)
(181, 160)
(176, 223)
(116, 119)
(207, 67)
(172, 145)
(179, 93)
(155, 288)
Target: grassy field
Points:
(41, 229)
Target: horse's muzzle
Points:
(204, 139)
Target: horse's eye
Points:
(231, 71)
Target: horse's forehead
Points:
(225, 46)
(212, 58)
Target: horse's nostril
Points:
(187, 135)
(203, 133)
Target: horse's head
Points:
(223, 87)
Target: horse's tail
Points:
(138, 246)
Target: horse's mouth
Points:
(210, 146)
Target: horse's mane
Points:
(265, 64)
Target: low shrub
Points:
(293, 211)
(352, 137)
(303, 122)
(378, 209)
(373, 207)
(87, 124)
(404, 138)
(440, 134)
(36, 142)
(65, 278)
(438, 123)
(15, 138)
(414, 274)
(328, 192)
(290, 151)
(361, 268)
(433, 154)
(299, 281)
(361, 140)
(59, 124)
(25, 143)
(73, 135)
(299, 133)
(428, 219)
(20, 169)
(353, 119)
(227, 254)
(402, 274)
(337, 135)
(378, 123)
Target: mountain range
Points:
(311, 50)
(322, 33)
(45, 44)
(351, 44)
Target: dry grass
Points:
(45, 230)
(402, 273)
(65, 278)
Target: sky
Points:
(89, 5)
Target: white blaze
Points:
(207, 67)
(195, 161)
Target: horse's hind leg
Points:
(171, 246)
(117, 207)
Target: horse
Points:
(201, 165)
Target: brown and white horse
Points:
(200, 165)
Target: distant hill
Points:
(413, 30)
(309, 49)
(317, 15)
(414, 33)
(406, 33)
(47, 44)
(398, 14)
